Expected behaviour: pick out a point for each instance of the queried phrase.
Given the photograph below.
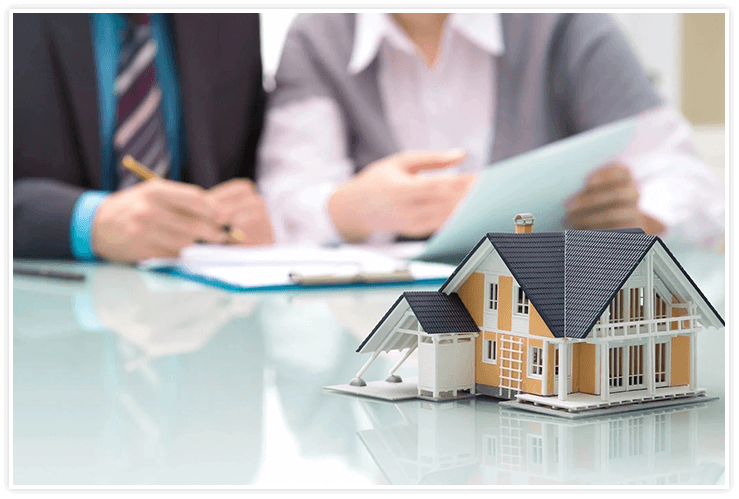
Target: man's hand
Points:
(238, 205)
(610, 200)
(156, 218)
(389, 195)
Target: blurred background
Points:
(683, 54)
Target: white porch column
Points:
(649, 366)
(604, 371)
(435, 339)
(649, 298)
(693, 384)
(544, 366)
(564, 363)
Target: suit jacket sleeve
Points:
(48, 175)
(596, 77)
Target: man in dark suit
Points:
(71, 197)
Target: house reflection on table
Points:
(480, 443)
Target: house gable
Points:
(597, 264)
(679, 282)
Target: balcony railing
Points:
(646, 326)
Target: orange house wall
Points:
(472, 294)
(679, 352)
(680, 361)
(583, 376)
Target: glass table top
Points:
(138, 378)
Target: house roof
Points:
(440, 313)
(570, 277)
(437, 313)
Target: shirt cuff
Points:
(80, 230)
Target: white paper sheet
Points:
(269, 266)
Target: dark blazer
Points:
(56, 131)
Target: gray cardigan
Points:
(560, 74)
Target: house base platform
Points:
(395, 392)
(581, 405)
(382, 390)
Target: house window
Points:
(536, 361)
(615, 368)
(489, 351)
(636, 303)
(523, 302)
(493, 299)
(556, 361)
(636, 365)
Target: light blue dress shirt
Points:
(107, 36)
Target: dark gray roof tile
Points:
(570, 277)
(440, 313)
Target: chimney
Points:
(524, 223)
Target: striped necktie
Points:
(139, 125)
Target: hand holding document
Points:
(538, 181)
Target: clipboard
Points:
(274, 268)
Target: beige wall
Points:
(702, 68)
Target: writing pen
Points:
(130, 163)
(54, 274)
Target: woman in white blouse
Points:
(366, 103)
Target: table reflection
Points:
(139, 378)
(479, 442)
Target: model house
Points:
(568, 321)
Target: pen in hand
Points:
(130, 163)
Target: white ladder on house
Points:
(511, 361)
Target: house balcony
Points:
(645, 327)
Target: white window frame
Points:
(533, 367)
(485, 349)
(630, 381)
(490, 316)
(493, 297)
(519, 292)
(665, 369)
(616, 371)
(634, 380)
